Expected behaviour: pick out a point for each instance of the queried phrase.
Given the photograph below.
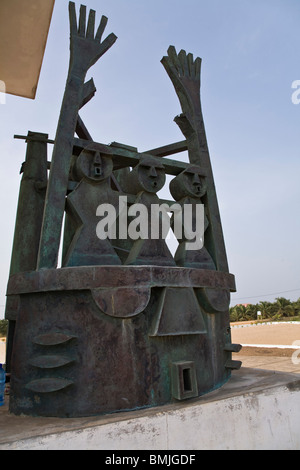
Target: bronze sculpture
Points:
(122, 324)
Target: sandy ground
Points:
(274, 334)
(266, 354)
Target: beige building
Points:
(24, 27)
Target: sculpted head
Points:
(148, 175)
(93, 166)
(151, 174)
(189, 183)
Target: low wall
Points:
(256, 409)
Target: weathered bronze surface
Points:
(122, 323)
(86, 48)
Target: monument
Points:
(122, 323)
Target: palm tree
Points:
(265, 308)
(238, 313)
(233, 314)
(296, 306)
(282, 307)
(251, 311)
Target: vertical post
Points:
(30, 205)
(28, 222)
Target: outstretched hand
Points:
(184, 73)
(86, 46)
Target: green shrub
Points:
(280, 309)
(3, 327)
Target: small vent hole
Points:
(187, 380)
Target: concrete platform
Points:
(256, 409)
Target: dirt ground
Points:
(274, 334)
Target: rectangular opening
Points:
(187, 380)
(184, 380)
(97, 171)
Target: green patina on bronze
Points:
(121, 324)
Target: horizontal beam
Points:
(36, 137)
(170, 149)
(124, 158)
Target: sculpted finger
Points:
(108, 42)
(101, 28)
(72, 18)
(190, 62)
(168, 65)
(91, 25)
(184, 63)
(171, 71)
(197, 67)
(103, 47)
(82, 20)
(174, 59)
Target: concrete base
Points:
(256, 409)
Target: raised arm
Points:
(86, 48)
(184, 73)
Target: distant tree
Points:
(266, 309)
(233, 314)
(251, 311)
(282, 308)
(3, 327)
(296, 305)
(238, 313)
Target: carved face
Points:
(190, 182)
(151, 174)
(194, 182)
(93, 166)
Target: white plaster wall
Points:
(260, 420)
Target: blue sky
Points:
(250, 58)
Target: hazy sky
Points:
(250, 52)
